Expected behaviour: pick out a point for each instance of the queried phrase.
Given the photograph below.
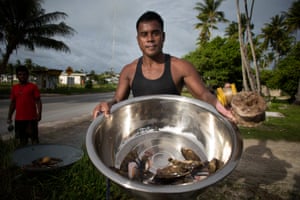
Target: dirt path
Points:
(267, 169)
(271, 168)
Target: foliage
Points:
(5, 90)
(208, 16)
(218, 61)
(5, 157)
(293, 16)
(88, 84)
(265, 76)
(232, 30)
(276, 35)
(287, 73)
(102, 77)
(81, 181)
(25, 23)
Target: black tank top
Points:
(163, 85)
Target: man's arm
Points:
(11, 110)
(122, 93)
(198, 89)
(38, 104)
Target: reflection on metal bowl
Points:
(163, 125)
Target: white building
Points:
(72, 79)
(46, 78)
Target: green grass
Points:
(274, 128)
(5, 89)
(81, 90)
(79, 181)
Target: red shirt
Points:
(25, 97)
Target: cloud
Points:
(106, 35)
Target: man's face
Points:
(150, 38)
(22, 76)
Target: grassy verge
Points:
(5, 90)
(277, 128)
(80, 90)
(79, 181)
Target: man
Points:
(156, 72)
(25, 100)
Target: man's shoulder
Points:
(33, 85)
(131, 66)
(179, 62)
(128, 70)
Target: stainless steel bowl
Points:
(163, 124)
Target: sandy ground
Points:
(267, 169)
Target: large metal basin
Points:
(163, 124)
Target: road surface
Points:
(58, 109)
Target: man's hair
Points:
(22, 68)
(150, 16)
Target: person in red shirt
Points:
(26, 101)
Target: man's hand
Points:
(225, 112)
(101, 108)
(8, 121)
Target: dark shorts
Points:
(25, 129)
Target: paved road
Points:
(58, 109)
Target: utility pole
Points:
(113, 38)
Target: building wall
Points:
(72, 79)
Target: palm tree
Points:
(276, 35)
(293, 17)
(232, 29)
(208, 16)
(25, 23)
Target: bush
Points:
(88, 84)
(287, 73)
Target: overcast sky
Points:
(105, 36)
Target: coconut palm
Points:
(276, 35)
(208, 16)
(293, 17)
(232, 30)
(25, 23)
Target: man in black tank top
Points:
(162, 85)
(158, 73)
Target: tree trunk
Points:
(3, 64)
(5, 58)
(244, 63)
(245, 84)
(257, 73)
(248, 68)
(243, 49)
